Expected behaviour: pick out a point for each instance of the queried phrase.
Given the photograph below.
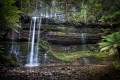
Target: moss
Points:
(71, 56)
(116, 64)
(44, 45)
(105, 55)
(101, 55)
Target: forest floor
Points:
(64, 72)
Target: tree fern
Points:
(9, 16)
(110, 43)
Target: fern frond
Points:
(105, 48)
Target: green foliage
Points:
(111, 11)
(97, 10)
(110, 43)
(111, 18)
(9, 17)
(47, 28)
(76, 17)
(8, 60)
(71, 56)
(102, 55)
(91, 10)
(62, 28)
(116, 64)
(93, 47)
(44, 45)
(27, 7)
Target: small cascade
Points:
(12, 44)
(47, 13)
(14, 49)
(33, 45)
(31, 61)
(45, 57)
(83, 39)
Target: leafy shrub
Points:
(44, 45)
(110, 43)
(116, 64)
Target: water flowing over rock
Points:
(32, 45)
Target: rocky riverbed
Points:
(87, 72)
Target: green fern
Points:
(110, 43)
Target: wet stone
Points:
(57, 73)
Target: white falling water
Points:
(34, 47)
(45, 58)
(37, 45)
(51, 13)
(29, 35)
(31, 61)
(83, 40)
(47, 15)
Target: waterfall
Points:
(37, 45)
(33, 46)
(45, 58)
(31, 61)
(83, 39)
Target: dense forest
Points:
(71, 39)
(100, 11)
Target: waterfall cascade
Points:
(83, 40)
(33, 46)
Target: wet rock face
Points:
(70, 34)
(92, 72)
(49, 29)
(64, 40)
